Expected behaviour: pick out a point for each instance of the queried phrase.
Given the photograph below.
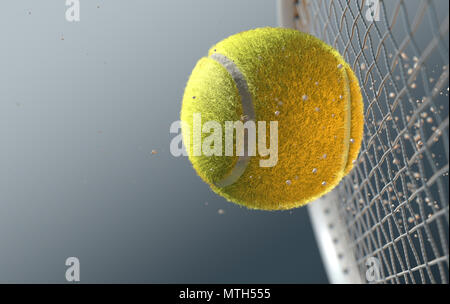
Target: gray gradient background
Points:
(79, 118)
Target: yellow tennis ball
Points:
(282, 76)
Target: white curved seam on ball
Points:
(349, 120)
(247, 110)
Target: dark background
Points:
(82, 106)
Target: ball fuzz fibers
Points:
(283, 75)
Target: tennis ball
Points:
(274, 75)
